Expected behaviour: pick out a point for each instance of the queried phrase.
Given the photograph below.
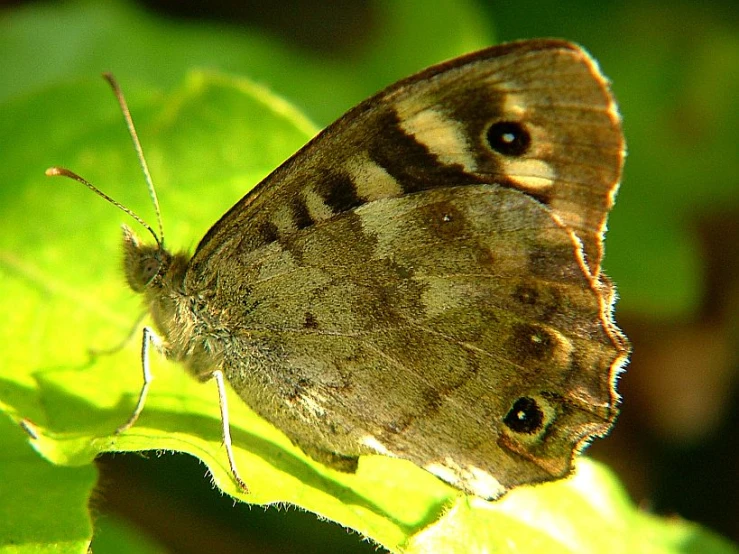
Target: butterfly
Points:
(422, 280)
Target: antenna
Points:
(137, 146)
(61, 171)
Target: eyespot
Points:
(509, 138)
(525, 416)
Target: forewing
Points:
(448, 126)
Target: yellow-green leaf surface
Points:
(208, 140)
(43, 506)
(44, 42)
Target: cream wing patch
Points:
(530, 174)
(442, 135)
(370, 179)
(371, 442)
(316, 206)
(514, 105)
(469, 478)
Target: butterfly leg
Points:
(223, 402)
(149, 338)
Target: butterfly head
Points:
(149, 268)
(143, 264)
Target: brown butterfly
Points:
(422, 279)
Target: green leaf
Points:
(45, 42)
(63, 294)
(584, 514)
(61, 522)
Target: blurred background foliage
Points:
(673, 248)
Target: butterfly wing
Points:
(454, 328)
(536, 116)
(423, 278)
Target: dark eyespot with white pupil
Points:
(509, 138)
(525, 416)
